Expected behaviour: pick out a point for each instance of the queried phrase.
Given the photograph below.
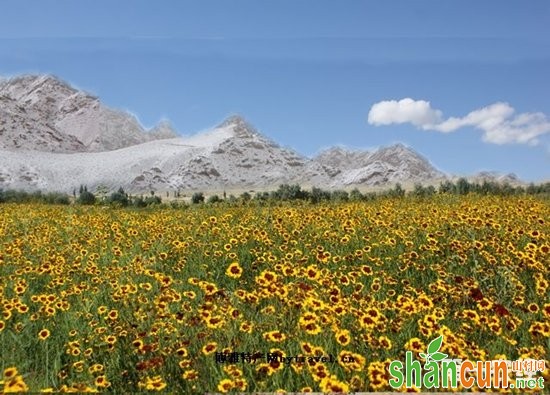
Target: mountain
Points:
(342, 158)
(56, 137)
(493, 177)
(396, 163)
(43, 113)
(247, 158)
(231, 155)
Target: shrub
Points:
(214, 199)
(119, 198)
(139, 202)
(339, 196)
(86, 198)
(355, 195)
(152, 200)
(289, 192)
(422, 191)
(198, 197)
(261, 196)
(446, 187)
(397, 191)
(317, 195)
(57, 198)
(463, 186)
(11, 196)
(245, 197)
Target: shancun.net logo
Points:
(440, 372)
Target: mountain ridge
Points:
(55, 137)
(45, 113)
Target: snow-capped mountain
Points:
(396, 163)
(41, 112)
(55, 137)
(493, 176)
(342, 158)
(231, 155)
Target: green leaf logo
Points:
(435, 345)
(439, 356)
(433, 353)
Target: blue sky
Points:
(311, 74)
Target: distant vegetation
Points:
(285, 192)
(12, 196)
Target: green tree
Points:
(85, 197)
(119, 197)
(463, 187)
(317, 195)
(245, 197)
(355, 195)
(214, 199)
(198, 197)
(339, 196)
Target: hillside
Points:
(43, 113)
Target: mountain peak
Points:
(38, 80)
(235, 120)
(336, 150)
(164, 129)
(44, 113)
(397, 147)
(240, 126)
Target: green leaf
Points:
(422, 355)
(439, 356)
(435, 345)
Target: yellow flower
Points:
(43, 334)
(332, 384)
(240, 384)
(274, 336)
(385, 342)
(209, 348)
(96, 368)
(101, 310)
(10, 373)
(190, 375)
(112, 315)
(415, 345)
(102, 382)
(155, 383)
(343, 337)
(225, 385)
(246, 327)
(16, 385)
(311, 328)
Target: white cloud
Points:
(417, 112)
(497, 121)
(485, 118)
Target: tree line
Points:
(84, 197)
(285, 192)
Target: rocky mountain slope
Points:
(493, 176)
(55, 137)
(396, 163)
(232, 155)
(41, 112)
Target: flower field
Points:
(124, 300)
